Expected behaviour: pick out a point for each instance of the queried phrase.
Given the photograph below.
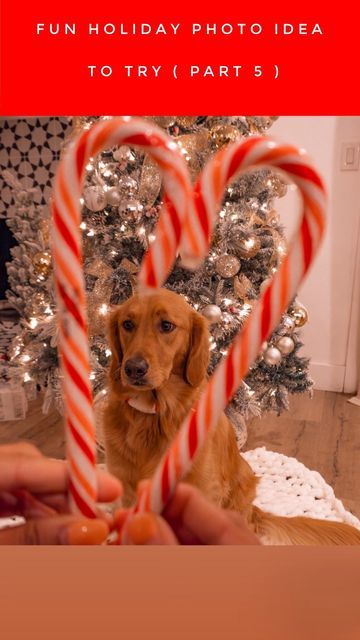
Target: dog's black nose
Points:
(135, 368)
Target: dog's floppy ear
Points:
(114, 341)
(198, 355)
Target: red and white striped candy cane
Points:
(208, 192)
(69, 278)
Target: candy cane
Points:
(208, 192)
(69, 278)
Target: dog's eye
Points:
(166, 326)
(128, 325)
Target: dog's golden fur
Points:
(177, 365)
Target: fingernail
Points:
(86, 532)
(141, 528)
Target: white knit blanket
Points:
(288, 488)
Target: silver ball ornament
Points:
(127, 186)
(113, 196)
(272, 356)
(131, 210)
(95, 198)
(212, 313)
(286, 345)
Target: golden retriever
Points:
(160, 355)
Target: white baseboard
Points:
(327, 377)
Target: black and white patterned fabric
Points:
(30, 149)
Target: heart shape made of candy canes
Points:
(186, 222)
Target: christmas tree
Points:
(121, 203)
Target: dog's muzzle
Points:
(136, 369)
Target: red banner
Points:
(116, 58)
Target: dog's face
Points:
(154, 336)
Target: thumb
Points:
(56, 530)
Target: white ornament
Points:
(272, 356)
(95, 198)
(285, 345)
(212, 313)
(113, 196)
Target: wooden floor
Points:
(323, 433)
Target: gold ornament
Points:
(42, 263)
(300, 315)
(150, 182)
(227, 266)
(195, 148)
(248, 245)
(242, 286)
(222, 134)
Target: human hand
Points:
(189, 518)
(35, 487)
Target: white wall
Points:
(331, 336)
